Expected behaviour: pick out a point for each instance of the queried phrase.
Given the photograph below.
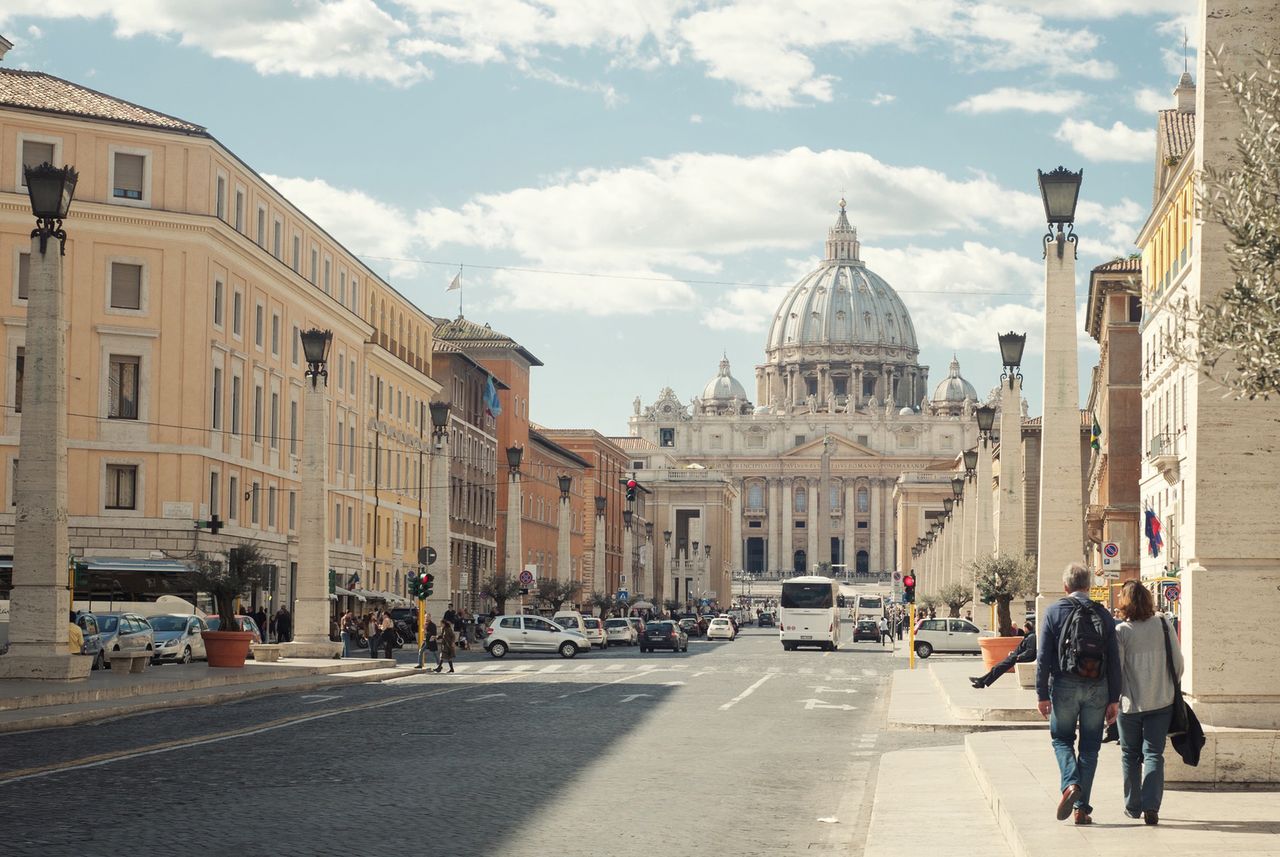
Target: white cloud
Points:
(695, 119)
(1106, 8)
(35, 32)
(882, 98)
(1005, 98)
(748, 309)
(1150, 100)
(1117, 143)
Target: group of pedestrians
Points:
(441, 640)
(1093, 671)
(276, 628)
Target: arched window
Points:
(864, 500)
(755, 496)
(835, 497)
(802, 500)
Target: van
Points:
(572, 620)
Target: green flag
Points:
(1095, 437)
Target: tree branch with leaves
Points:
(555, 593)
(499, 588)
(224, 581)
(1000, 578)
(955, 595)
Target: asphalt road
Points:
(734, 748)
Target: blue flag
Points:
(491, 404)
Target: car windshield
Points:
(169, 623)
(567, 621)
(656, 626)
(806, 596)
(593, 624)
(108, 624)
(720, 622)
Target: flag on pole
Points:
(455, 283)
(1095, 437)
(1154, 540)
(492, 406)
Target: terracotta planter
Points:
(227, 648)
(996, 649)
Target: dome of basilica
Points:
(724, 387)
(843, 305)
(954, 389)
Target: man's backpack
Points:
(1082, 644)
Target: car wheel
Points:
(186, 656)
(498, 649)
(100, 660)
(924, 650)
(568, 650)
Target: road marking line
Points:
(613, 668)
(522, 668)
(581, 668)
(491, 668)
(806, 670)
(550, 669)
(704, 672)
(598, 686)
(774, 669)
(731, 703)
(315, 698)
(739, 669)
(101, 759)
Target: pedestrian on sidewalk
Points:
(260, 618)
(1025, 653)
(350, 629)
(884, 632)
(284, 625)
(448, 639)
(1147, 667)
(388, 628)
(1078, 686)
(430, 637)
(373, 632)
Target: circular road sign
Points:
(1111, 549)
(526, 577)
(897, 575)
(1172, 592)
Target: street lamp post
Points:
(40, 601)
(967, 519)
(599, 553)
(651, 565)
(705, 581)
(513, 553)
(563, 571)
(628, 566)
(1012, 536)
(311, 598)
(438, 523)
(666, 562)
(1061, 530)
(983, 537)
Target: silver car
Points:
(532, 634)
(179, 637)
(125, 632)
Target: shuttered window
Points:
(128, 176)
(34, 154)
(126, 286)
(24, 274)
(122, 480)
(122, 388)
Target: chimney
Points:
(1186, 94)
(5, 45)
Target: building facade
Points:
(189, 279)
(842, 414)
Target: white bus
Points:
(807, 613)
(868, 606)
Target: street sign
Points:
(1110, 556)
(526, 578)
(1172, 592)
(426, 555)
(1100, 593)
(622, 594)
(897, 575)
(1111, 575)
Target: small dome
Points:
(907, 412)
(953, 389)
(724, 387)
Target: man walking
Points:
(1078, 686)
(884, 632)
(1025, 653)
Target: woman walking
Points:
(373, 632)
(447, 639)
(1149, 658)
(349, 629)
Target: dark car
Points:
(406, 622)
(690, 627)
(866, 629)
(765, 620)
(666, 634)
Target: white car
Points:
(593, 630)
(532, 634)
(620, 631)
(179, 637)
(946, 635)
(720, 629)
(570, 619)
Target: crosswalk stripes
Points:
(558, 669)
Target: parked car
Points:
(766, 621)
(532, 634)
(620, 632)
(946, 635)
(721, 628)
(637, 625)
(94, 640)
(666, 634)
(179, 637)
(866, 629)
(406, 622)
(214, 623)
(593, 630)
(572, 620)
(690, 626)
(124, 632)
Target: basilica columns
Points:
(877, 527)
(775, 525)
(786, 545)
(814, 509)
(850, 553)
(735, 528)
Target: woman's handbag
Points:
(1184, 727)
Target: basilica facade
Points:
(842, 409)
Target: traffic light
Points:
(421, 585)
(213, 525)
(428, 584)
(631, 490)
(908, 588)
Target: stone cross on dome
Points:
(842, 239)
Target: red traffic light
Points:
(631, 483)
(908, 581)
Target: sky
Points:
(629, 186)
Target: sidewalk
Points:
(28, 705)
(1017, 774)
(938, 697)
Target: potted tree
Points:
(499, 588)
(955, 595)
(604, 603)
(554, 594)
(1000, 578)
(225, 582)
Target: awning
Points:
(107, 564)
(642, 605)
(339, 590)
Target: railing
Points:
(1160, 446)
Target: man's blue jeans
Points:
(1077, 703)
(1142, 736)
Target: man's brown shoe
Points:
(1069, 795)
(1083, 817)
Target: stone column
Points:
(849, 554)
(1061, 513)
(855, 394)
(600, 554)
(812, 526)
(563, 571)
(40, 602)
(628, 581)
(735, 527)
(983, 538)
(967, 519)
(311, 597)
(796, 383)
(513, 554)
(438, 528)
(875, 559)
(823, 508)
(775, 524)
(1013, 525)
(786, 547)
